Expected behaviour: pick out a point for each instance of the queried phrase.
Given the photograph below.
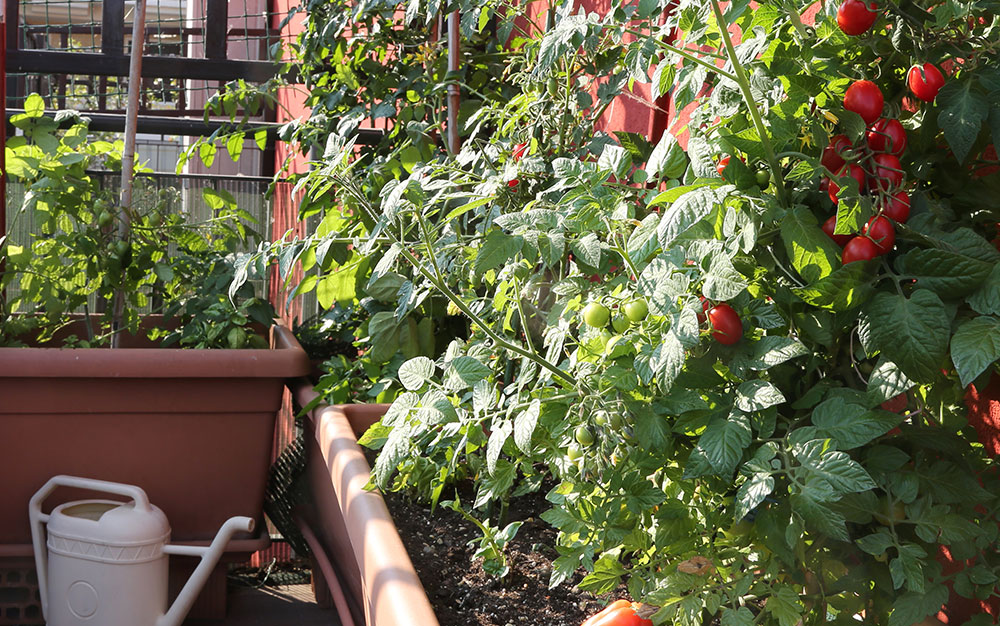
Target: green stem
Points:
(743, 81)
(524, 320)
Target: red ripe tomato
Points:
(828, 227)
(621, 616)
(888, 172)
(617, 604)
(880, 231)
(852, 170)
(927, 83)
(864, 98)
(897, 207)
(855, 17)
(520, 150)
(887, 135)
(859, 249)
(514, 182)
(833, 158)
(706, 304)
(723, 162)
(726, 322)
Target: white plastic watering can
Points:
(106, 562)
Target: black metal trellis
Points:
(75, 52)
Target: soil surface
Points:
(462, 593)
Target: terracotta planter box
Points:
(353, 535)
(194, 428)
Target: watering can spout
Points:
(209, 557)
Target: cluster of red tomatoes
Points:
(618, 613)
(874, 163)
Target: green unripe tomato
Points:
(583, 436)
(552, 86)
(104, 219)
(636, 310)
(617, 421)
(763, 178)
(574, 452)
(601, 418)
(596, 315)
(620, 323)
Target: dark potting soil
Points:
(463, 594)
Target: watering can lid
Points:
(108, 521)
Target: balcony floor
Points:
(288, 605)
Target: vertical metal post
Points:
(454, 94)
(128, 157)
(3, 135)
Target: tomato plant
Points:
(779, 432)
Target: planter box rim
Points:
(286, 359)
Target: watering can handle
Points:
(38, 518)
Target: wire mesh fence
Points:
(186, 190)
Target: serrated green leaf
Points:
(876, 543)
(975, 347)
(415, 372)
(685, 212)
(757, 394)
(773, 350)
(836, 468)
(751, 493)
(986, 299)
(845, 288)
(667, 159)
(722, 281)
(786, 606)
(497, 249)
(524, 425)
(852, 425)
(464, 371)
(607, 575)
(911, 332)
(949, 274)
(724, 441)
(819, 516)
(962, 113)
(498, 436)
(887, 381)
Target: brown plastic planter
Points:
(194, 428)
(352, 526)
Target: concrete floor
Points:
(288, 605)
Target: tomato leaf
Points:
(975, 347)
(911, 332)
(986, 299)
(785, 605)
(962, 113)
(498, 436)
(819, 516)
(751, 493)
(724, 440)
(757, 394)
(685, 212)
(948, 274)
(415, 372)
(852, 425)
(845, 288)
(524, 425)
(722, 281)
(886, 381)
(606, 576)
(911, 608)
(464, 371)
(497, 249)
(812, 252)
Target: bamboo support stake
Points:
(128, 157)
(454, 95)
